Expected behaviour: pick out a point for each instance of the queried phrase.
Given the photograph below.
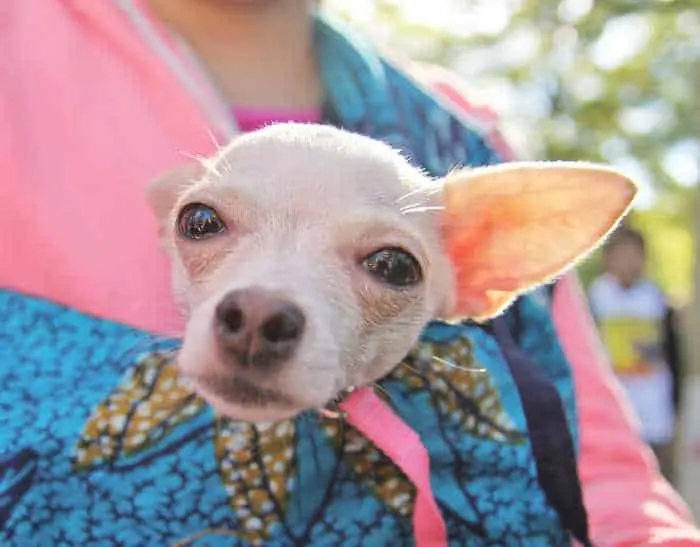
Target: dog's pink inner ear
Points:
(510, 228)
(164, 190)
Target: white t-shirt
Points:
(631, 325)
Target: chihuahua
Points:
(308, 259)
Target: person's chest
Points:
(86, 133)
(102, 442)
(76, 227)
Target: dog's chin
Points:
(247, 408)
(252, 414)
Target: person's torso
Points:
(630, 321)
(103, 444)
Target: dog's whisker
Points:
(217, 145)
(411, 206)
(410, 193)
(223, 163)
(413, 369)
(456, 366)
(190, 155)
(421, 209)
(207, 163)
(211, 167)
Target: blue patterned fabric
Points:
(102, 443)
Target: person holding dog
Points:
(97, 98)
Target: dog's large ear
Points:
(163, 192)
(512, 227)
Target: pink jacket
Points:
(95, 128)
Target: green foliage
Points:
(614, 81)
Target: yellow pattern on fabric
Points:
(369, 464)
(152, 401)
(257, 463)
(451, 373)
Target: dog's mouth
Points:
(241, 391)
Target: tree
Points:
(612, 81)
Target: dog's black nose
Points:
(258, 328)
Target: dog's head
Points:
(309, 259)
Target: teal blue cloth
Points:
(90, 454)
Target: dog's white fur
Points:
(303, 205)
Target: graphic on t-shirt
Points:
(633, 343)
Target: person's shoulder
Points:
(19, 17)
(653, 289)
(454, 95)
(602, 292)
(35, 28)
(453, 88)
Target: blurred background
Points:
(614, 81)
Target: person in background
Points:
(638, 328)
(99, 97)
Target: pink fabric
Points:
(629, 503)
(120, 118)
(75, 167)
(380, 424)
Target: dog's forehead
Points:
(311, 163)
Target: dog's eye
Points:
(394, 266)
(198, 221)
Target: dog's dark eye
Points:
(198, 221)
(394, 266)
